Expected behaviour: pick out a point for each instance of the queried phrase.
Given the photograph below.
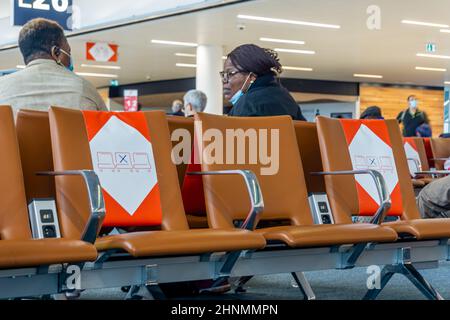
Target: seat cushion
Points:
(34, 253)
(328, 235)
(174, 243)
(423, 229)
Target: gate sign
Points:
(102, 52)
(130, 100)
(57, 10)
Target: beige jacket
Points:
(44, 83)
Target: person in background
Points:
(433, 201)
(177, 108)
(372, 113)
(250, 83)
(194, 101)
(412, 118)
(48, 79)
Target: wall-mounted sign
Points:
(130, 101)
(58, 10)
(431, 47)
(102, 52)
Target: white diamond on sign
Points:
(411, 153)
(378, 157)
(99, 51)
(123, 160)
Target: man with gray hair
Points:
(194, 102)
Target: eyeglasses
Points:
(226, 76)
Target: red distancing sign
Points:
(102, 52)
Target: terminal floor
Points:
(327, 285)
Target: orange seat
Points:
(284, 191)
(71, 151)
(344, 196)
(17, 248)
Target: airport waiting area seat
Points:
(441, 152)
(286, 239)
(21, 256)
(344, 147)
(417, 161)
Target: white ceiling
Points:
(340, 53)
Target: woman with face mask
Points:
(412, 118)
(250, 84)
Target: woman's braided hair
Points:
(252, 58)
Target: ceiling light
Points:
(281, 41)
(437, 56)
(447, 82)
(186, 65)
(431, 69)
(445, 30)
(187, 55)
(372, 76)
(98, 75)
(295, 51)
(297, 68)
(425, 24)
(296, 22)
(96, 66)
(175, 43)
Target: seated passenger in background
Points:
(194, 101)
(250, 83)
(434, 200)
(48, 79)
(372, 113)
(177, 109)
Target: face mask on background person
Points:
(71, 65)
(413, 104)
(238, 95)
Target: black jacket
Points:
(411, 123)
(267, 97)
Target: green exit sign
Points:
(431, 47)
(114, 83)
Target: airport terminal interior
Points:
(231, 150)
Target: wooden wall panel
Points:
(393, 100)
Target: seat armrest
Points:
(254, 191)
(96, 201)
(380, 183)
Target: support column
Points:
(209, 64)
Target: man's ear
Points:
(56, 52)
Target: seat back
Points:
(284, 190)
(180, 123)
(14, 221)
(415, 149)
(72, 151)
(308, 144)
(359, 145)
(33, 133)
(429, 152)
(441, 150)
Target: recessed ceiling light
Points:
(20, 66)
(187, 55)
(436, 56)
(281, 41)
(98, 75)
(431, 69)
(96, 66)
(186, 65)
(372, 76)
(176, 43)
(297, 68)
(285, 21)
(445, 30)
(425, 24)
(295, 51)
